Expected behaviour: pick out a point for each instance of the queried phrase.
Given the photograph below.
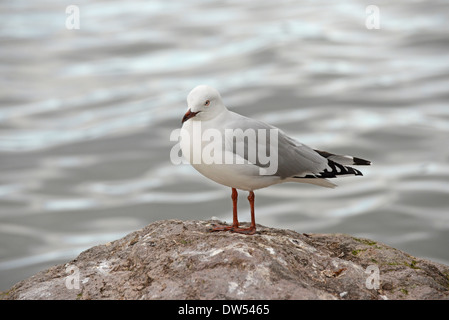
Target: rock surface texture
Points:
(175, 259)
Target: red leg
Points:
(235, 221)
(252, 227)
(234, 196)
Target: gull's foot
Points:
(247, 231)
(217, 228)
(233, 228)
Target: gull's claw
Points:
(221, 228)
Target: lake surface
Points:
(86, 115)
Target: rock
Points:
(175, 259)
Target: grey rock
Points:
(175, 259)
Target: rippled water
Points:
(86, 115)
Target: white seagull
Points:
(292, 160)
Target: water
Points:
(86, 115)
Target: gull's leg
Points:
(252, 227)
(235, 221)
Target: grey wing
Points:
(265, 146)
(296, 159)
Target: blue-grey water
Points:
(86, 115)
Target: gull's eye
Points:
(207, 103)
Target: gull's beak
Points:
(189, 114)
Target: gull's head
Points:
(203, 103)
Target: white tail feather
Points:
(316, 181)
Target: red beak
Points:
(189, 114)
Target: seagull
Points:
(292, 160)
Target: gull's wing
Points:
(294, 159)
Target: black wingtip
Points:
(361, 162)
